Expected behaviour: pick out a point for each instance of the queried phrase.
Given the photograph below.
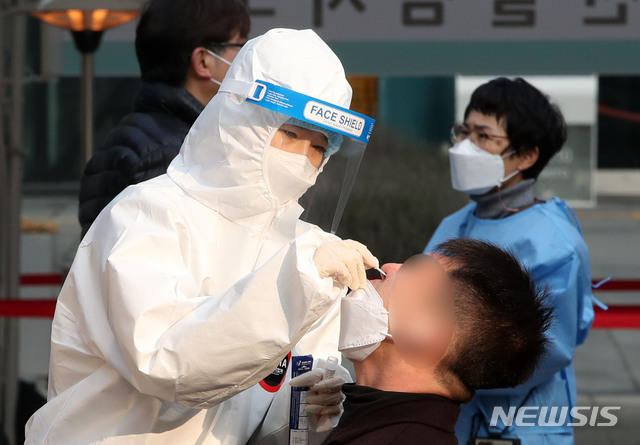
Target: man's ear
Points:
(201, 63)
(528, 159)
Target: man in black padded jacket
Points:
(184, 50)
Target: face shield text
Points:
(334, 118)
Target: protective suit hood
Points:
(221, 160)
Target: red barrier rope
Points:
(56, 280)
(52, 279)
(619, 114)
(618, 285)
(27, 308)
(617, 317)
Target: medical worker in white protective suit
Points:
(191, 291)
(510, 132)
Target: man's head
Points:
(173, 40)
(483, 318)
(517, 118)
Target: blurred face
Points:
(419, 297)
(294, 139)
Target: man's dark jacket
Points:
(140, 147)
(375, 417)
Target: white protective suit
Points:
(192, 287)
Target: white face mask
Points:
(364, 323)
(288, 175)
(476, 171)
(217, 82)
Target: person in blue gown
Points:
(509, 133)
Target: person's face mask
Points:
(288, 175)
(475, 171)
(364, 323)
(222, 59)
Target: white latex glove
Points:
(324, 398)
(345, 261)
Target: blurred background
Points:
(412, 65)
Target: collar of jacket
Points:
(158, 96)
(496, 205)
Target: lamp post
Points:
(87, 20)
(11, 106)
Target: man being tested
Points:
(191, 290)
(464, 318)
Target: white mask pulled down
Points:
(364, 323)
(475, 171)
(288, 175)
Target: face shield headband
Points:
(348, 133)
(343, 121)
(330, 117)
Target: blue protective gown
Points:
(547, 239)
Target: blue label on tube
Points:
(298, 420)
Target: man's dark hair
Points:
(501, 319)
(531, 119)
(169, 31)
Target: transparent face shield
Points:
(324, 203)
(347, 134)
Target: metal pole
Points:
(4, 211)
(87, 108)
(14, 166)
(3, 167)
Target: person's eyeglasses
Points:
(225, 45)
(461, 132)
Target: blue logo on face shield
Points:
(300, 106)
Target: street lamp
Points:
(87, 20)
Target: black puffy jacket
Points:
(140, 147)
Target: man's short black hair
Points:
(501, 318)
(169, 31)
(531, 119)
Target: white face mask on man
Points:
(364, 323)
(217, 82)
(475, 171)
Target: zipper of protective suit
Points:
(263, 233)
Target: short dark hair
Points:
(531, 119)
(501, 319)
(169, 31)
